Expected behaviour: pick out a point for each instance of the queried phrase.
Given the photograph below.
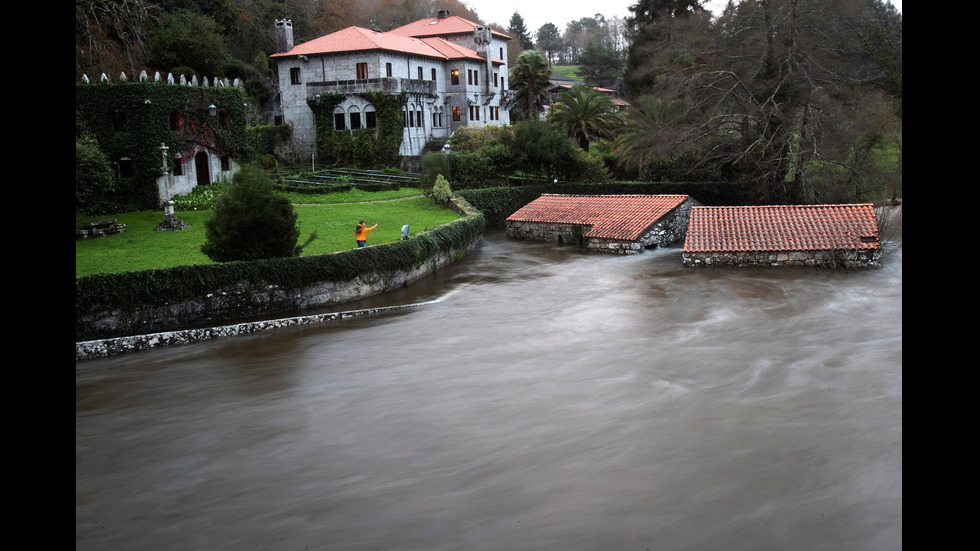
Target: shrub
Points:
(542, 150)
(268, 161)
(470, 169)
(433, 165)
(251, 221)
(93, 173)
(591, 168)
(468, 138)
(200, 198)
(441, 190)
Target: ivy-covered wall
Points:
(131, 120)
(368, 148)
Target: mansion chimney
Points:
(443, 14)
(284, 35)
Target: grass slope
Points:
(140, 247)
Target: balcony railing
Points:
(390, 86)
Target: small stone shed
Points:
(624, 224)
(835, 236)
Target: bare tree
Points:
(110, 35)
(774, 88)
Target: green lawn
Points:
(142, 248)
(570, 71)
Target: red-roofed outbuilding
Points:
(624, 224)
(783, 235)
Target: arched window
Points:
(355, 117)
(370, 117)
(339, 118)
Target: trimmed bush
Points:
(441, 190)
(251, 221)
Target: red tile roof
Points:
(433, 26)
(611, 216)
(782, 228)
(355, 39)
(451, 50)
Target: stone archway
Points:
(201, 166)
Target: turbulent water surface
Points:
(553, 399)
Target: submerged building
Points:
(625, 224)
(783, 235)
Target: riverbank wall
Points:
(188, 297)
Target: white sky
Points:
(539, 12)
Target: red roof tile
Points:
(782, 228)
(611, 216)
(451, 50)
(433, 26)
(354, 39)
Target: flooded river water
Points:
(551, 399)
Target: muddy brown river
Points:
(550, 399)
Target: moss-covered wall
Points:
(131, 120)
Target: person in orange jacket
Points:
(360, 233)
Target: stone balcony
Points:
(392, 86)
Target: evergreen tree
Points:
(519, 30)
(441, 191)
(649, 29)
(188, 39)
(251, 221)
(549, 41)
(600, 64)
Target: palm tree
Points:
(645, 134)
(586, 114)
(529, 78)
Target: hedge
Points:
(127, 292)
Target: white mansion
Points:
(452, 72)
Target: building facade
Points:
(451, 72)
(165, 135)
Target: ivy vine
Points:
(131, 120)
(368, 148)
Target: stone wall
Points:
(245, 300)
(668, 230)
(828, 259)
(100, 348)
(562, 234)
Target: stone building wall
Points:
(830, 259)
(668, 230)
(561, 234)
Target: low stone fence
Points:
(100, 348)
(239, 299)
